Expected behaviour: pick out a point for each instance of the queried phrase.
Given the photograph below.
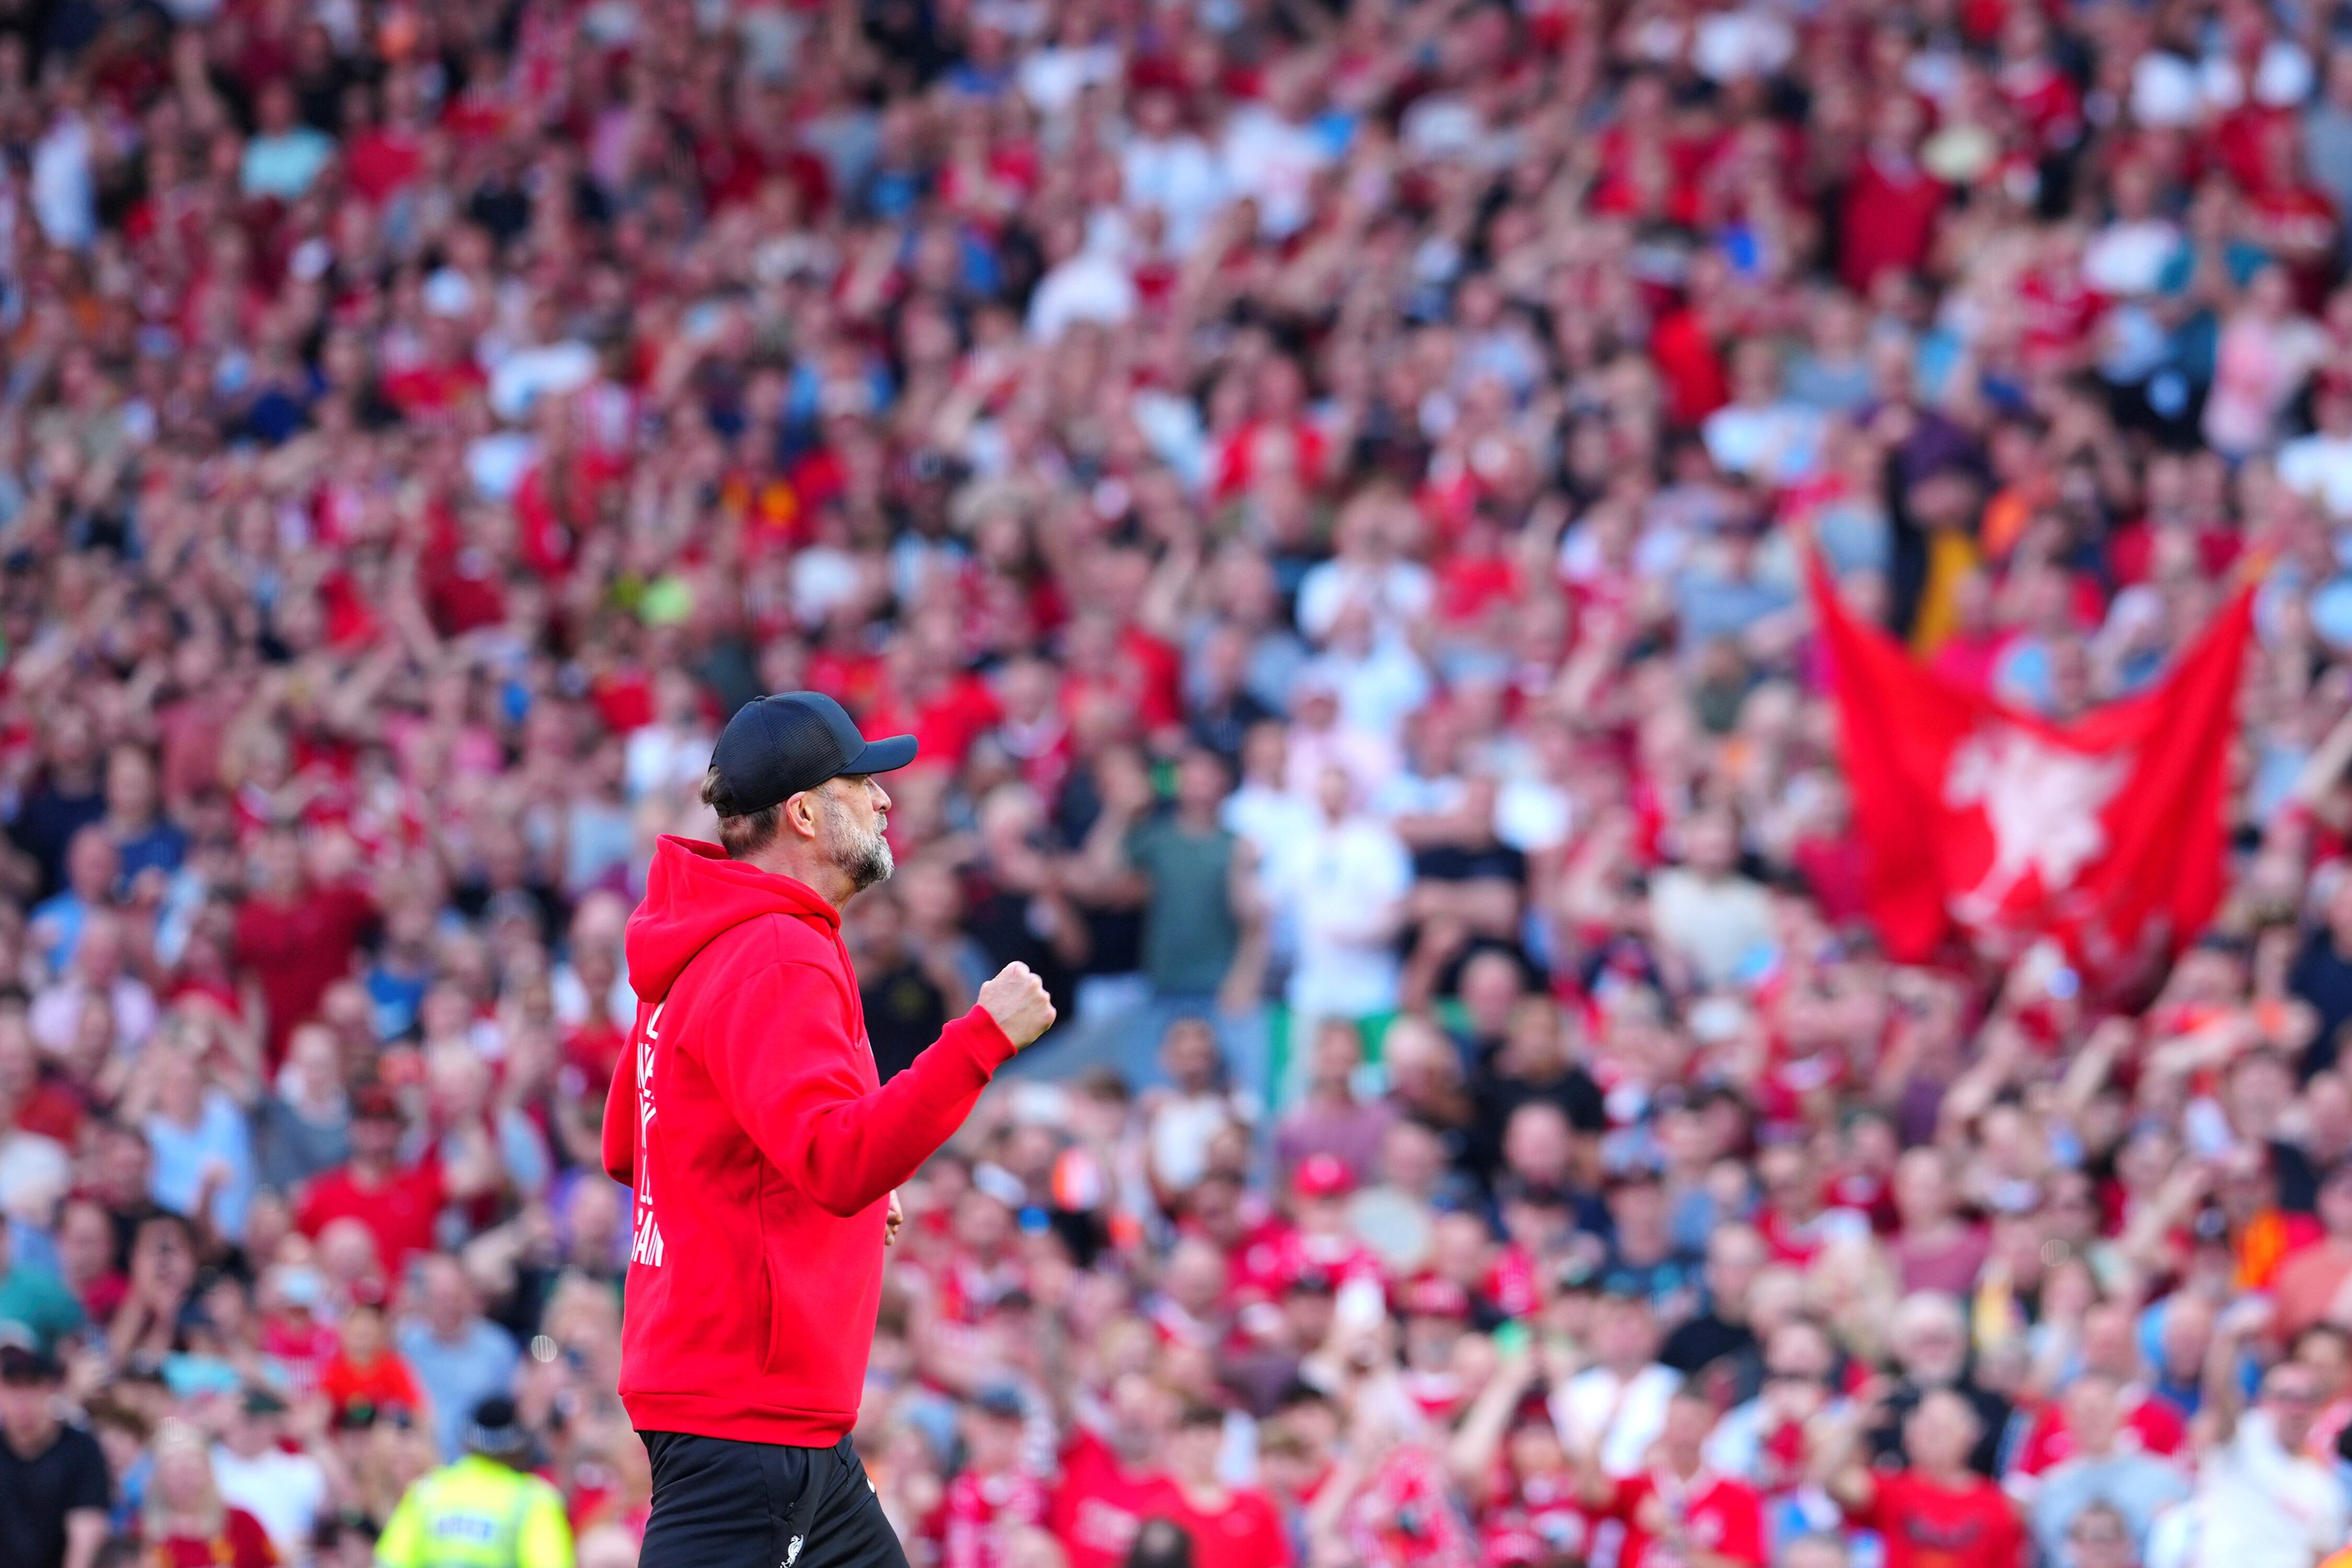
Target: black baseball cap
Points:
(775, 747)
(28, 1366)
(495, 1429)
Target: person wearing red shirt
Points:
(445, 377)
(1110, 1484)
(400, 1207)
(554, 502)
(1936, 1247)
(1231, 1528)
(485, 107)
(1938, 1513)
(2060, 311)
(1033, 729)
(1796, 1220)
(927, 689)
(184, 1523)
(1526, 1497)
(291, 1332)
(1687, 351)
(843, 668)
(991, 1496)
(388, 156)
(1891, 203)
(1123, 664)
(31, 1098)
(1678, 1513)
(2041, 96)
(2289, 215)
(1478, 574)
(296, 938)
(2109, 1349)
(1648, 165)
(1322, 1241)
(1108, 1480)
(463, 582)
(365, 1370)
(1277, 437)
(1436, 1313)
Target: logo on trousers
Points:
(791, 1552)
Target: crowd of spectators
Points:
(1326, 485)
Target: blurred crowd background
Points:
(1326, 485)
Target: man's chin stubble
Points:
(867, 863)
(873, 864)
(864, 861)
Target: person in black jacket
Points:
(1533, 1064)
(1720, 1333)
(54, 1487)
(1931, 1345)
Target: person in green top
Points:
(1202, 930)
(1190, 931)
(34, 1298)
(484, 1511)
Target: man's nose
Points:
(881, 795)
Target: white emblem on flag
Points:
(2043, 804)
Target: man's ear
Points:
(799, 815)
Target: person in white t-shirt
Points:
(1052, 78)
(1087, 283)
(1319, 739)
(1704, 910)
(1368, 567)
(1165, 166)
(1761, 433)
(1270, 150)
(2319, 467)
(2125, 260)
(1380, 680)
(2261, 1501)
(675, 749)
(1617, 1406)
(287, 1492)
(1347, 881)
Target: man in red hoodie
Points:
(748, 1117)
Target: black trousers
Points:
(718, 1503)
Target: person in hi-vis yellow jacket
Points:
(484, 1511)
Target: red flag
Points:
(2000, 826)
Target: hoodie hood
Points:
(694, 894)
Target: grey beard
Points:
(868, 862)
(864, 860)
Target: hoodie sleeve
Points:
(777, 1049)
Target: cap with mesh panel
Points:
(776, 747)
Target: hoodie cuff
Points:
(989, 1046)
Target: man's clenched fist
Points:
(1017, 999)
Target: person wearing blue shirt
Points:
(33, 1298)
(285, 157)
(93, 869)
(201, 1143)
(460, 1356)
(144, 838)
